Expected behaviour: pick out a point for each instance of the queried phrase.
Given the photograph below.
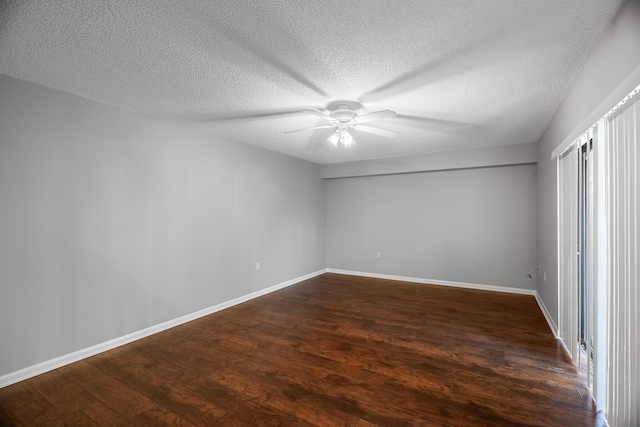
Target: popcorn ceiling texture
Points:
(460, 74)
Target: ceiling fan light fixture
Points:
(335, 138)
(346, 139)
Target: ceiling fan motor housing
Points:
(343, 113)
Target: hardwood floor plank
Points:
(24, 406)
(5, 421)
(122, 398)
(154, 382)
(75, 403)
(330, 382)
(283, 398)
(331, 351)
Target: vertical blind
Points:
(622, 157)
(600, 271)
(612, 257)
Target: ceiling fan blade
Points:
(376, 131)
(378, 115)
(315, 127)
(239, 116)
(319, 114)
(434, 124)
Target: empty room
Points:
(296, 213)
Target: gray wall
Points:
(617, 55)
(473, 225)
(111, 222)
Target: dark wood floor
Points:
(332, 351)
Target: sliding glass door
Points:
(582, 310)
(599, 259)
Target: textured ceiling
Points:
(460, 74)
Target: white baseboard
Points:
(547, 315)
(58, 362)
(435, 282)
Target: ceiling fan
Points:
(344, 117)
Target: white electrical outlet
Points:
(544, 275)
(258, 265)
(377, 254)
